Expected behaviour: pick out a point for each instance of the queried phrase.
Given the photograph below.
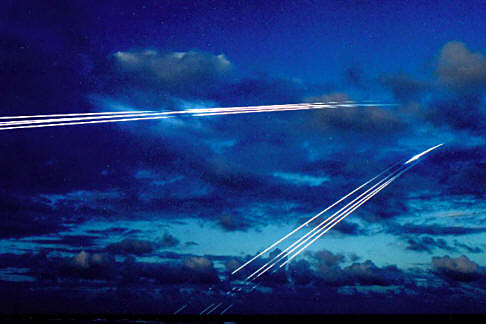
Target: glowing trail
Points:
(76, 114)
(82, 123)
(318, 231)
(214, 308)
(180, 309)
(326, 222)
(37, 121)
(310, 220)
(204, 310)
(226, 309)
(346, 214)
(56, 120)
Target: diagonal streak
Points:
(326, 222)
(204, 310)
(311, 219)
(368, 197)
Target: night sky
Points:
(146, 216)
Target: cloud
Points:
(459, 269)
(327, 258)
(427, 244)
(328, 271)
(231, 222)
(191, 73)
(354, 76)
(199, 269)
(370, 121)
(468, 248)
(198, 263)
(174, 66)
(367, 273)
(462, 112)
(433, 229)
(131, 246)
(168, 241)
(23, 215)
(460, 68)
(85, 241)
(404, 87)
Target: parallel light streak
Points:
(214, 308)
(53, 120)
(204, 310)
(76, 114)
(310, 220)
(327, 221)
(322, 228)
(368, 197)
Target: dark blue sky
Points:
(95, 217)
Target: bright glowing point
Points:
(418, 156)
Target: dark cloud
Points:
(131, 246)
(233, 223)
(404, 87)
(350, 228)
(85, 241)
(327, 258)
(433, 229)
(427, 244)
(142, 247)
(103, 266)
(24, 216)
(462, 112)
(114, 231)
(367, 273)
(325, 268)
(168, 241)
(355, 77)
(468, 248)
(460, 170)
(458, 269)
(190, 243)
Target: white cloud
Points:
(174, 68)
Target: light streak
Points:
(226, 309)
(180, 309)
(82, 122)
(214, 308)
(204, 310)
(299, 242)
(418, 156)
(310, 220)
(55, 120)
(345, 215)
(77, 114)
(37, 121)
(318, 231)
